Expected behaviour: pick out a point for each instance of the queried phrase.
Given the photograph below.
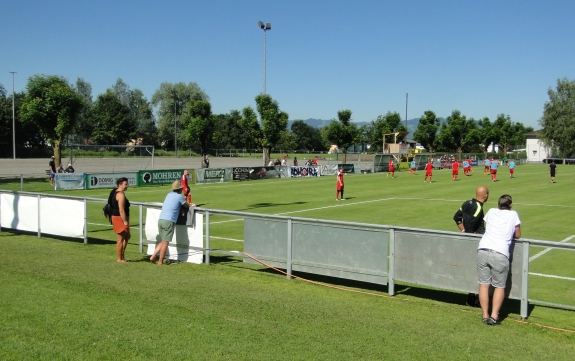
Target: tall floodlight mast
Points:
(265, 27)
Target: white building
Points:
(536, 150)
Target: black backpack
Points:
(108, 212)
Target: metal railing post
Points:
(85, 221)
(289, 248)
(141, 241)
(207, 247)
(391, 273)
(525, 281)
(39, 230)
(22, 182)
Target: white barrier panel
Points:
(65, 181)
(184, 237)
(60, 217)
(19, 212)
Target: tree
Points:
(273, 121)
(508, 133)
(558, 121)
(458, 133)
(251, 136)
(385, 124)
(52, 105)
(227, 130)
(427, 131)
(82, 128)
(113, 124)
(487, 135)
(306, 136)
(343, 133)
(171, 101)
(200, 124)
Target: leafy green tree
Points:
(487, 135)
(385, 124)
(509, 134)
(288, 141)
(112, 121)
(306, 136)
(343, 133)
(558, 121)
(251, 136)
(171, 102)
(227, 130)
(52, 105)
(82, 128)
(200, 124)
(458, 133)
(273, 121)
(427, 131)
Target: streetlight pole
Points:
(265, 27)
(13, 119)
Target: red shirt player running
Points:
(428, 171)
(391, 169)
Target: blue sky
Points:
(480, 57)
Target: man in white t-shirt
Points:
(502, 226)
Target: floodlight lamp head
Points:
(261, 24)
(268, 26)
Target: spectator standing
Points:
(339, 186)
(120, 217)
(295, 163)
(552, 170)
(503, 225)
(315, 160)
(206, 161)
(52, 169)
(167, 222)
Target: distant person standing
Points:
(511, 168)
(455, 169)
(552, 170)
(487, 166)
(503, 226)
(314, 160)
(120, 217)
(391, 169)
(167, 221)
(465, 167)
(295, 163)
(412, 167)
(428, 171)
(206, 161)
(339, 186)
(52, 169)
(493, 170)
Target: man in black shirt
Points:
(469, 219)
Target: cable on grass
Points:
(385, 296)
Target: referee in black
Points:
(469, 219)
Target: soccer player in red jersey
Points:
(455, 169)
(391, 169)
(185, 189)
(339, 189)
(428, 171)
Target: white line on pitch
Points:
(535, 256)
(342, 204)
(552, 276)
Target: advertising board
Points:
(108, 180)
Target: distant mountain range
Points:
(318, 123)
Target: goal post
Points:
(139, 156)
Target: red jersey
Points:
(428, 168)
(184, 181)
(455, 167)
(339, 180)
(391, 164)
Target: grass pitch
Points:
(63, 300)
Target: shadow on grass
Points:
(268, 204)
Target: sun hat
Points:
(176, 185)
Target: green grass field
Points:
(64, 300)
